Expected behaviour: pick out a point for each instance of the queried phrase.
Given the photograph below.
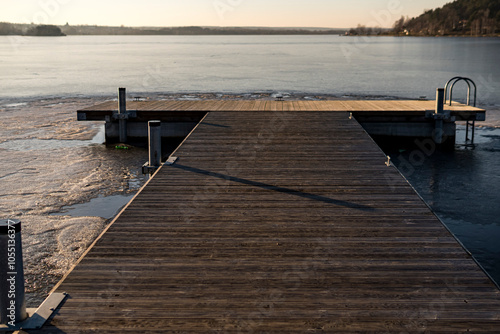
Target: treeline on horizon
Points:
(34, 30)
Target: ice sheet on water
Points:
(50, 161)
(13, 105)
(51, 245)
(42, 144)
(105, 207)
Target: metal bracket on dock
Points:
(445, 115)
(148, 169)
(38, 316)
(170, 161)
(128, 114)
(81, 116)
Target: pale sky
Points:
(269, 13)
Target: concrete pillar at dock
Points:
(154, 134)
(12, 298)
(122, 112)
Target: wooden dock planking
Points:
(365, 111)
(267, 105)
(278, 222)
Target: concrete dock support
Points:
(154, 134)
(122, 114)
(12, 298)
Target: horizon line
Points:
(201, 26)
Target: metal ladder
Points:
(469, 81)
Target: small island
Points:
(45, 30)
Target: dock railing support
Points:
(12, 298)
(439, 117)
(122, 114)
(154, 146)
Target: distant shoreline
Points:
(94, 30)
(18, 29)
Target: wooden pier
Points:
(402, 119)
(280, 218)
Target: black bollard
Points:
(154, 135)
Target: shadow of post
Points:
(266, 186)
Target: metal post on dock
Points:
(440, 101)
(439, 117)
(154, 134)
(12, 298)
(154, 146)
(122, 112)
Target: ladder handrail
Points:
(458, 79)
(453, 81)
(468, 90)
(446, 87)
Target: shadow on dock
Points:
(276, 188)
